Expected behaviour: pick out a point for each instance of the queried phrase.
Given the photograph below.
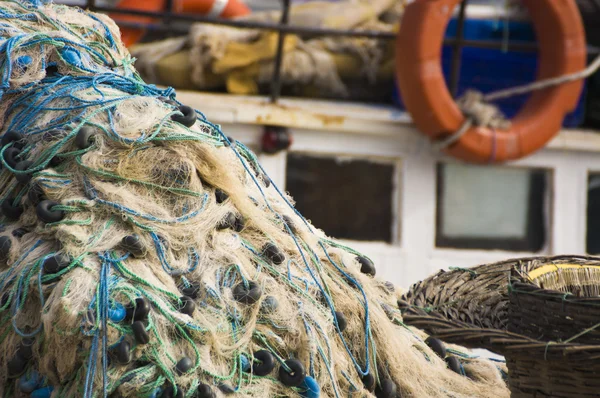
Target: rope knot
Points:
(472, 104)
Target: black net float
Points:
(5, 245)
(192, 291)
(133, 245)
(56, 263)
(23, 165)
(226, 389)
(139, 332)
(263, 364)
(341, 321)
(16, 366)
(47, 213)
(272, 252)
(184, 365)
(11, 156)
(247, 294)
(239, 224)
(204, 391)
(10, 210)
(17, 139)
(169, 392)
(220, 195)
(369, 382)
(187, 117)
(123, 352)
(366, 265)
(436, 346)
(454, 364)
(56, 161)
(269, 305)
(139, 310)
(390, 286)
(227, 222)
(288, 221)
(84, 137)
(19, 232)
(265, 179)
(295, 376)
(188, 306)
(387, 389)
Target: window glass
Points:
(491, 207)
(347, 198)
(593, 214)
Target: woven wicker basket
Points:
(542, 314)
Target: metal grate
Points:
(167, 18)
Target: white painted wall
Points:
(379, 132)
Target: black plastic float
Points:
(387, 389)
(19, 232)
(11, 211)
(56, 263)
(46, 212)
(23, 165)
(296, 375)
(247, 294)
(188, 305)
(366, 265)
(369, 382)
(133, 245)
(84, 137)
(269, 305)
(273, 254)
(10, 156)
(187, 117)
(17, 139)
(454, 364)
(5, 245)
(436, 346)
(341, 321)
(138, 311)
(220, 195)
(184, 365)
(123, 352)
(192, 291)
(204, 391)
(169, 392)
(264, 363)
(226, 389)
(288, 221)
(139, 332)
(227, 222)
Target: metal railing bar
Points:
(276, 79)
(457, 49)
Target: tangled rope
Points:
(145, 254)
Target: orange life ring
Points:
(216, 8)
(562, 50)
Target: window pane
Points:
(491, 207)
(348, 199)
(593, 214)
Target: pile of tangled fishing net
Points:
(144, 254)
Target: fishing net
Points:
(145, 254)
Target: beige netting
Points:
(118, 202)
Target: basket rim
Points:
(499, 340)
